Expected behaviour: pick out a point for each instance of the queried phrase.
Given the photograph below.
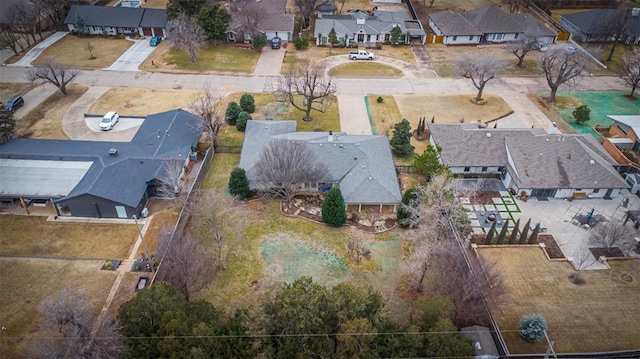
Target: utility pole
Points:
(144, 243)
(549, 347)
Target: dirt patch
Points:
(606, 252)
(551, 246)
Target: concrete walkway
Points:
(131, 59)
(27, 59)
(34, 98)
(269, 62)
(353, 115)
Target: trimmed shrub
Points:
(241, 123)
(232, 112)
(582, 114)
(247, 103)
(404, 213)
(532, 328)
(259, 41)
(380, 99)
(239, 184)
(334, 212)
(301, 43)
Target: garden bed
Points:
(606, 252)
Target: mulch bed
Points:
(552, 248)
(423, 137)
(484, 197)
(606, 252)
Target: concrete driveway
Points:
(354, 119)
(33, 54)
(33, 98)
(270, 61)
(133, 57)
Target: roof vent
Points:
(592, 162)
(113, 152)
(488, 134)
(330, 139)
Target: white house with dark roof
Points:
(593, 25)
(487, 24)
(360, 165)
(530, 160)
(111, 21)
(367, 29)
(274, 21)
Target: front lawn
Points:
(141, 101)
(72, 51)
(366, 70)
(9, 89)
(219, 58)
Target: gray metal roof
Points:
(117, 16)
(453, 24)
(591, 22)
(40, 178)
(361, 164)
(381, 22)
(539, 160)
(122, 178)
(491, 19)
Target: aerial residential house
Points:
(368, 29)
(531, 161)
(111, 21)
(95, 178)
(624, 139)
(595, 25)
(268, 17)
(489, 24)
(326, 8)
(360, 165)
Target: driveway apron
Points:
(354, 119)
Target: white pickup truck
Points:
(361, 55)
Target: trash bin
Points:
(193, 156)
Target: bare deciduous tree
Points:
(90, 48)
(514, 6)
(284, 168)
(451, 278)
(358, 248)
(523, 46)
(186, 263)
(612, 235)
(10, 40)
(561, 67)
(207, 107)
(170, 183)
(54, 74)
(612, 28)
(479, 70)
(218, 220)
(581, 260)
(249, 14)
(305, 8)
(68, 321)
(184, 32)
(305, 87)
(630, 73)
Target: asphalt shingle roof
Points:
(491, 19)
(380, 22)
(361, 164)
(591, 22)
(117, 16)
(122, 178)
(539, 160)
(453, 24)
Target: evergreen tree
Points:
(433, 119)
(428, 163)
(503, 232)
(213, 20)
(333, 37)
(514, 233)
(525, 232)
(534, 235)
(401, 139)
(241, 123)
(532, 328)
(239, 184)
(7, 125)
(489, 237)
(232, 112)
(247, 103)
(334, 212)
(259, 41)
(409, 199)
(582, 114)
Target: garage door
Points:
(158, 31)
(147, 31)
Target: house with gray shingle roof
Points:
(360, 165)
(108, 20)
(367, 29)
(539, 163)
(595, 25)
(97, 178)
(274, 21)
(487, 24)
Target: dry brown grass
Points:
(451, 108)
(598, 316)
(365, 70)
(71, 50)
(126, 291)
(314, 53)
(9, 89)
(45, 121)
(30, 235)
(156, 4)
(167, 217)
(26, 282)
(141, 102)
(551, 113)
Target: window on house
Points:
(455, 38)
(596, 190)
(467, 169)
(471, 38)
(498, 36)
(501, 169)
(484, 169)
(63, 210)
(515, 37)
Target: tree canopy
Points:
(213, 20)
(401, 140)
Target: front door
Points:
(608, 194)
(360, 37)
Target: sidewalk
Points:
(27, 59)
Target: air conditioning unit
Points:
(145, 212)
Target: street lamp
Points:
(144, 243)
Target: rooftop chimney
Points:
(330, 136)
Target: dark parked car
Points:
(14, 103)
(275, 43)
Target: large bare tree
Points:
(68, 321)
(612, 235)
(306, 8)
(480, 69)
(284, 168)
(525, 44)
(208, 108)
(171, 181)
(249, 14)
(612, 28)
(581, 260)
(562, 67)
(304, 86)
(630, 73)
(184, 32)
(54, 74)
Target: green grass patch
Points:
(218, 175)
(223, 58)
(230, 136)
(385, 114)
(365, 69)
